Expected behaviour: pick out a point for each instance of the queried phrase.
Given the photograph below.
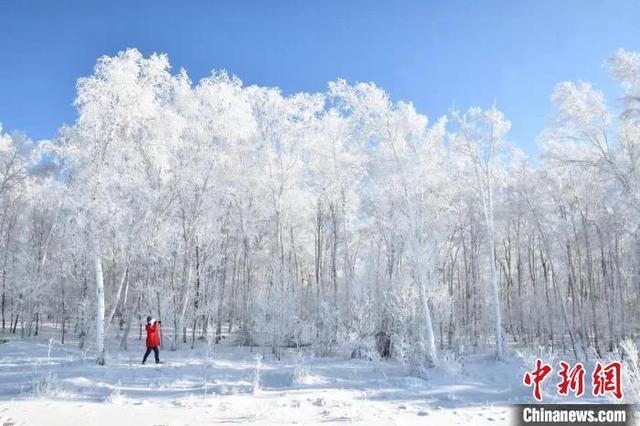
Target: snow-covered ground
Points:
(45, 383)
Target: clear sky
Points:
(436, 54)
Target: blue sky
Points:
(435, 54)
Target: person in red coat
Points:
(153, 339)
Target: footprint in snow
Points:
(319, 402)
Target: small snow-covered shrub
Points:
(274, 319)
(631, 371)
(326, 320)
(116, 395)
(49, 385)
(412, 354)
(407, 342)
(50, 345)
(357, 335)
(301, 371)
(300, 374)
(450, 364)
(246, 337)
(256, 376)
(365, 350)
(630, 360)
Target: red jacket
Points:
(153, 338)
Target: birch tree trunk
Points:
(100, 310)
(180, 315)
(420, 263)
(4, 271)
(495, 285)
(430, 336)
(116, 302)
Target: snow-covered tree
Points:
(341, 220)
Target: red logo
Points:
(536, 377)
(571, 379)
(606, 379)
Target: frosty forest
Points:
(342, 220)
(339, 223)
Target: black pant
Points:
(156, 352)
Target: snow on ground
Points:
(51, 384)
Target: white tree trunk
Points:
(99, 310)
(420, 263)
(432, 355)
(127, 327)
(116, 302)
(422, 269)
(183, 313)
(487, 202)
(495, 286)
(179, 316)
